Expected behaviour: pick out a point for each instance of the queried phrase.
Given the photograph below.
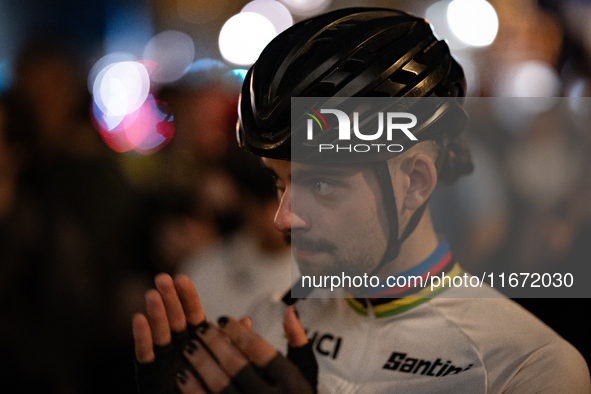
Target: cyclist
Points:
(370, 215)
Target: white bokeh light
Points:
(475, 22)
(525, 90)
(121, 88)
(244, 36)
(103, 62)
(172, 51)
(273, 10)
(306, 7)
(535, 79)
(112, 121)
(436, 15)
(531, 79)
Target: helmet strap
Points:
(385, 180)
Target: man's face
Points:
(333, 214)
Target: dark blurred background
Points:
(118, 160)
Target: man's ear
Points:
(422, 178)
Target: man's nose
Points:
(285, 219)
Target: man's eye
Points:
(323, 187)
(279, 185)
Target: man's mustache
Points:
(313, 245)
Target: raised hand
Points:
(232, 359)
(177, 350)
(173, 312)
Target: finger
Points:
(246, 322)
(296, 335)
(212, 374)
(172, 303)
(157, 318)
(190, 300)
(229, 358)
(252, 346)
(189, 384)
(142, 337)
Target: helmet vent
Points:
(352, 65)
(403, 77)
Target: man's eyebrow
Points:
(322, 171)
(312, 172)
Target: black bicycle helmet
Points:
(353, 52)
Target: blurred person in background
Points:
(10, 163)
(252, 262)
(191, 182)
(198, 158)
(68, 235)
(543, 50)
(526, 206)
(217, 203)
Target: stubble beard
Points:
(347, 265)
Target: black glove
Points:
(160, 376)
(303, 357)
(279, 376)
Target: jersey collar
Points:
(406, 297)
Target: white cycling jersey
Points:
(446, 344)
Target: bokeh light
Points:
(5, 75)
(121, 88)
(537, 81)
(436, 15)
(273, 10)
(149, 129)
(146, 130)
(107, 122)
(123, 111)
(204, 71)
(234, 78)
(528, 79)
(578, 97)
(207, 65)
(244, 36)
(475, 22)
(579, 104)
(172, 51)
(240, 72)
(114, 57)
(306, 7)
